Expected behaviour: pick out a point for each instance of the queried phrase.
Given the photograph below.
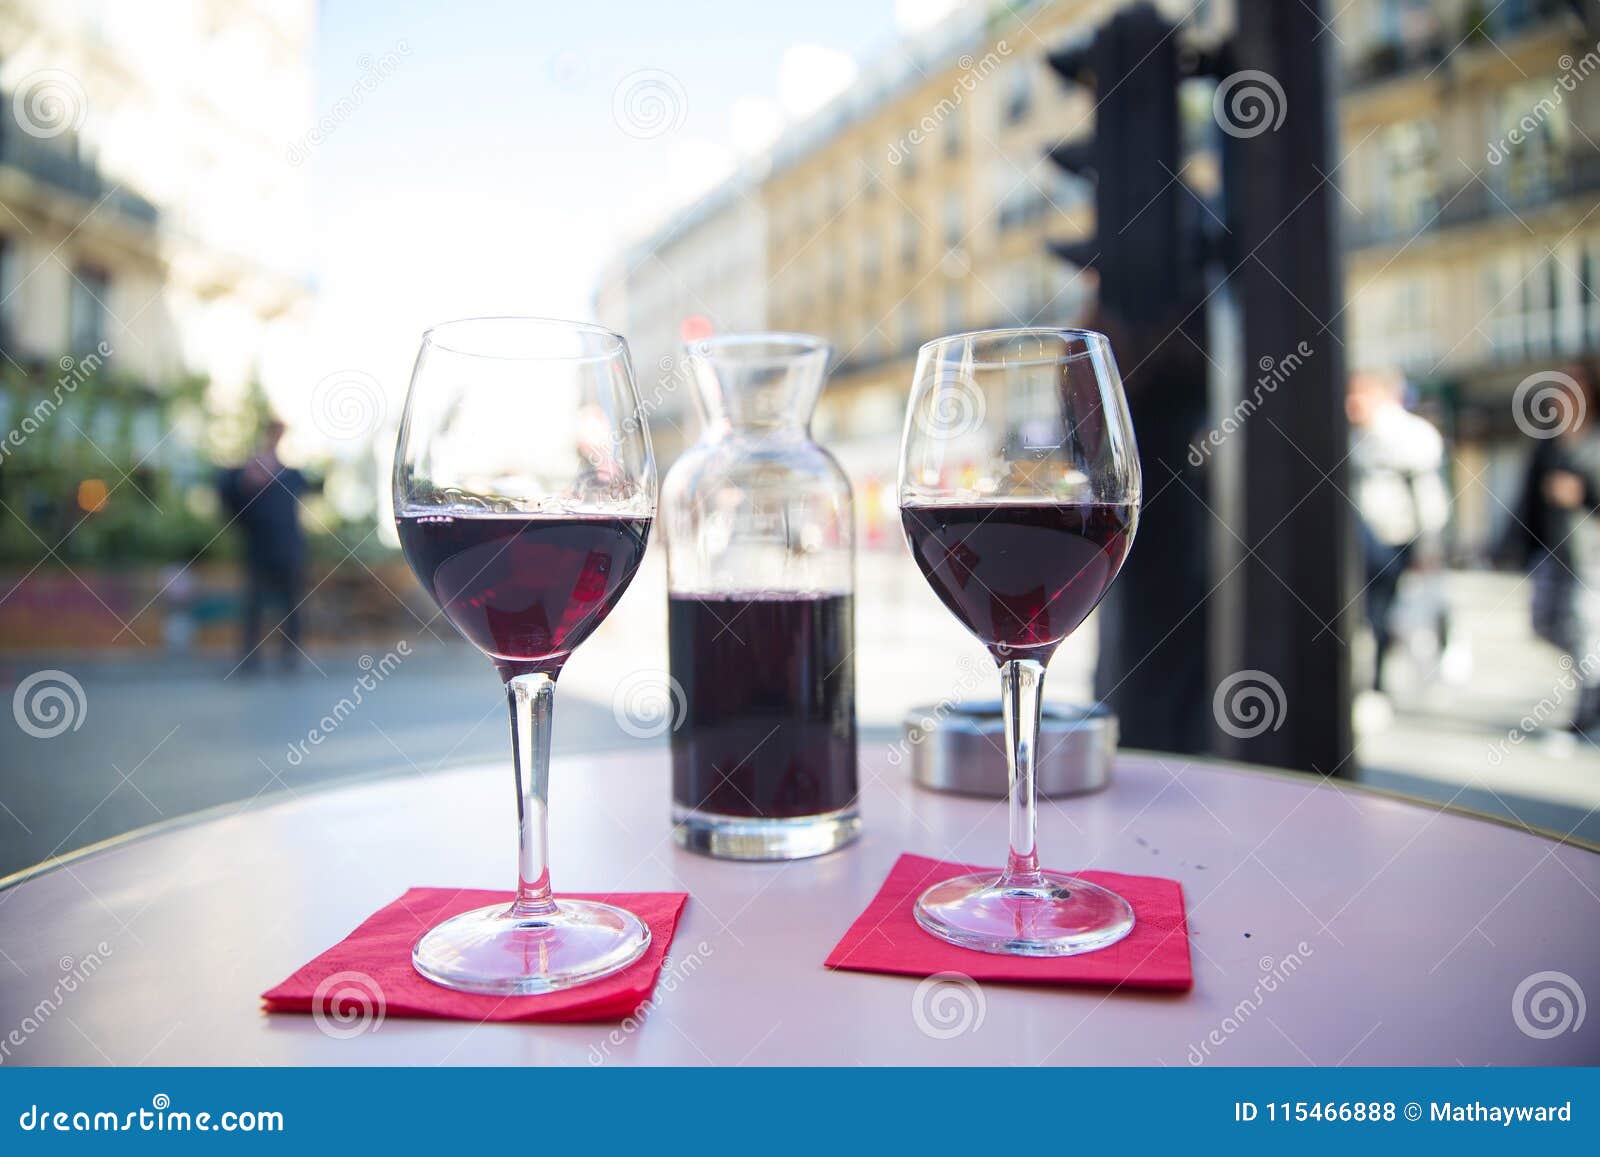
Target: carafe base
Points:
(755, 838)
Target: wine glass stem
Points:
(1021, 683)
(532, 697)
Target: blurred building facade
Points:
(1471, 232)
(705, 271)
(152, 294)
(148, 200)
(919, 203)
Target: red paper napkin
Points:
(370, 969)
(887, 937)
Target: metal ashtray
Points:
(963, 748)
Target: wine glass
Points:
(1019, 496)
(524, 489)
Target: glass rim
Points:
(436, 337)
(1093, 342)
(790, 343)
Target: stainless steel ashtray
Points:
(963, 748)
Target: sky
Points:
(514, 147)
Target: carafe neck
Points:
(766, 384)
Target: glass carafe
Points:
(761, 616)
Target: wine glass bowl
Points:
(524, 490)
(1019, 497)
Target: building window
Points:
(86, 309)
(872, 344)
(952, 136)
(1589, 292)
(1019, 93)
(10, 285)
(1534, 158)
(1016, 291)
(954, 219)
(1540, 301)
(905, 326)
(1021, 203)
(871, 257)
(794, 221)
(1028, 396)
(955, 313)
(1408, 174)
(1413, 345)
(908, 240)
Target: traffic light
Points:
(1140, 248)
(1153, 627)
(1265, 282)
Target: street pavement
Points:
(161, 737)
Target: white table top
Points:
(1409, 929)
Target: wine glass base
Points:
(1061, 916)
(495, 951)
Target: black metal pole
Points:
(1296, 526)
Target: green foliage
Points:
(156, 449)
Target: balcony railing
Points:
(1500, 193)
(1509, 338)
(1382, 59)
(1019, 211)
(56, 161)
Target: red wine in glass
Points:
(1023, 576)
(524, 490)
(1019, 495)
(524, 588)
(769, 728)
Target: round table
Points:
(1328, 926)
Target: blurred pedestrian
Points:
(1554, 538)
(1397, 479)
(263, 498)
